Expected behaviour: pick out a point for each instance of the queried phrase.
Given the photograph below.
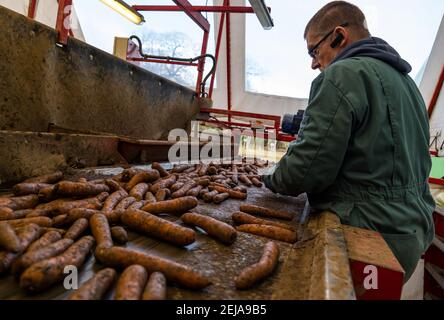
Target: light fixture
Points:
(262, 13)
(125, 10)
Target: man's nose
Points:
(315, 64)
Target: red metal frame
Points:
(436, 94)
(219, 9)
(32, 8)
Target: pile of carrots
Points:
(45, 226)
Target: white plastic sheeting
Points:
(429, 82)
(46, 13)
(243, 100)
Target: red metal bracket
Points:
(196, 16)
(32, 8)
(220, 9)
(62, 20)
(436, 94)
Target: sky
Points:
(410, 26)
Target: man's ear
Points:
(337, 41)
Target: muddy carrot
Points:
(233, 194)
(163, 194)
(9, 241)
(174, 206)
(213, 227)
(265, 212)
(101, 230)
(174, 272)
(221, 197)
(155, 288)
(150, 197)
(125, 203)
(119, 234)
(47, 178)
(244, 218)
(45, 273)
(113, 199)
(31, 257)
(260, 270)
(139, 191)
(19, 203)
(96, 287)
(194, 192)
(158, 167)
(256, 182)
(164, 183)
(156, 227)
(131, 283)
(146, 176)
(79, 189)
(23, 189)
(41, 221)
(270, 232)
(77, 229)
(45, 240)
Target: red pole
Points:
(62, 17)
(436, 94)
(201, 66)
(219, 39)
(32, 8)
(227, 3)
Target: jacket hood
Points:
(375, 48)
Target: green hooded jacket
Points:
(362, 152)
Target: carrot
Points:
(194, 192)
(41, 221)
(78, 213)
(221, 197)
(158, 167)
(119, 234)
(62, 206)
(113, 199)
(113, 185)
(181, 168)
(151, 225)
(203, 170)
(137, 205)
(79, 189)
(240, 189)
(32, 213)
(47, 193)
(131, 283)
(174, 272)
(149, 197)
(268, 231)
(203, 192)
(265, 212)
(139, 190)
(256, 182)
(213, 227)
(18, 203)
(76, 229)
(245, 180)
(59, 221)
(45, 240)
(47, 178)
(177, 186)
(96, 287)
(183, 191)
(31, 257)
(100, 230)
(163, 194)
(146, 176)
(45, 273)
(174, 206)
(155, 288)
(233, 194)
(9, 214)
(9, 240)
(244, 218)
(202, 181)
(125, 203)
(127, 174)
(27, 235)
(212, 170)
(260, 270)
(208, 197)
(164, 183)
(190, 171)
(60, 231)
(23, 189)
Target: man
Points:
(362, 150)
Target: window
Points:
(277, 62)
